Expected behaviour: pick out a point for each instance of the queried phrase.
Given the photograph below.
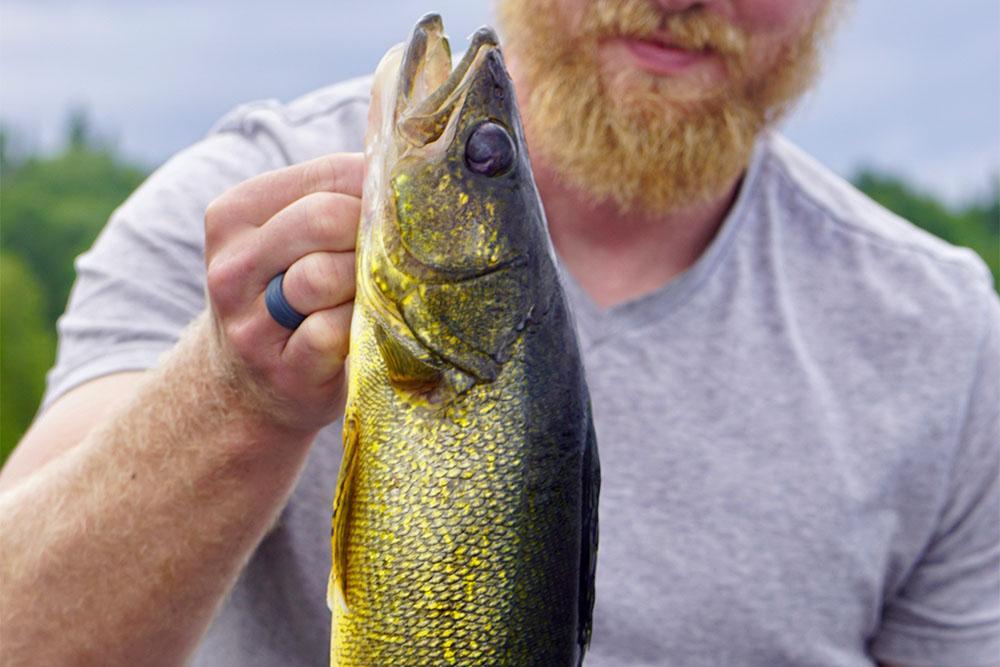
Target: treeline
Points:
(52, 208)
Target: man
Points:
(795, 392)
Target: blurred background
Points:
(94, 94)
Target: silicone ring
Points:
(278, 306)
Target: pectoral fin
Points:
(405, 368)
(336, 594)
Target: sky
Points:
(912, 88)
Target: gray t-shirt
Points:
(799, 435)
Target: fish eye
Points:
(489, 150)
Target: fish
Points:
(464, 527)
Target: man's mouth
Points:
(664, 57)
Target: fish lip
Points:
(427, 38)
(482, 41)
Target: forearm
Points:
(119, 552)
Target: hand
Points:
(302, 220)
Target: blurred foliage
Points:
(52, 207)
(27, 347)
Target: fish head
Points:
(454, 248)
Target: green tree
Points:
(51, 208)
(79, 135)
(27, 347)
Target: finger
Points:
(319, 281)
(317, 349)
(257, 336)
(253, 202)
(321, 222)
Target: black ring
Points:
(278, 306)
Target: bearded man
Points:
(795, 391)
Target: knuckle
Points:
(225, 279)
(301, 286)
(318, 174)
(315, 337)
(316, 278)
(338, 278)
(334, 272)
(219, 282)
(215, 211)
(323, 336)
(317, 217)
(346, 267)
(217, 217)
(241, 339)
(330, 217)
(348, 210)
(350, 215)
(342, 326)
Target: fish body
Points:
(465, 518)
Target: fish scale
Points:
(441, 545)
(464, 526)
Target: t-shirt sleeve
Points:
(143, 280)
(948, 610)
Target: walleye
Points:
(465, 518)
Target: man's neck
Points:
(617, 257)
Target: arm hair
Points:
(119, 550)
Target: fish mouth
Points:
(416, 93)
(430, 91)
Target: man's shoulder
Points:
(878, 255)
(326, 120)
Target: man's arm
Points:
(126, 520)
(64, 424)
(118, 552)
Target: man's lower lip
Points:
(661, 59)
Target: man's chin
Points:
(644, 99)
(636, 145)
